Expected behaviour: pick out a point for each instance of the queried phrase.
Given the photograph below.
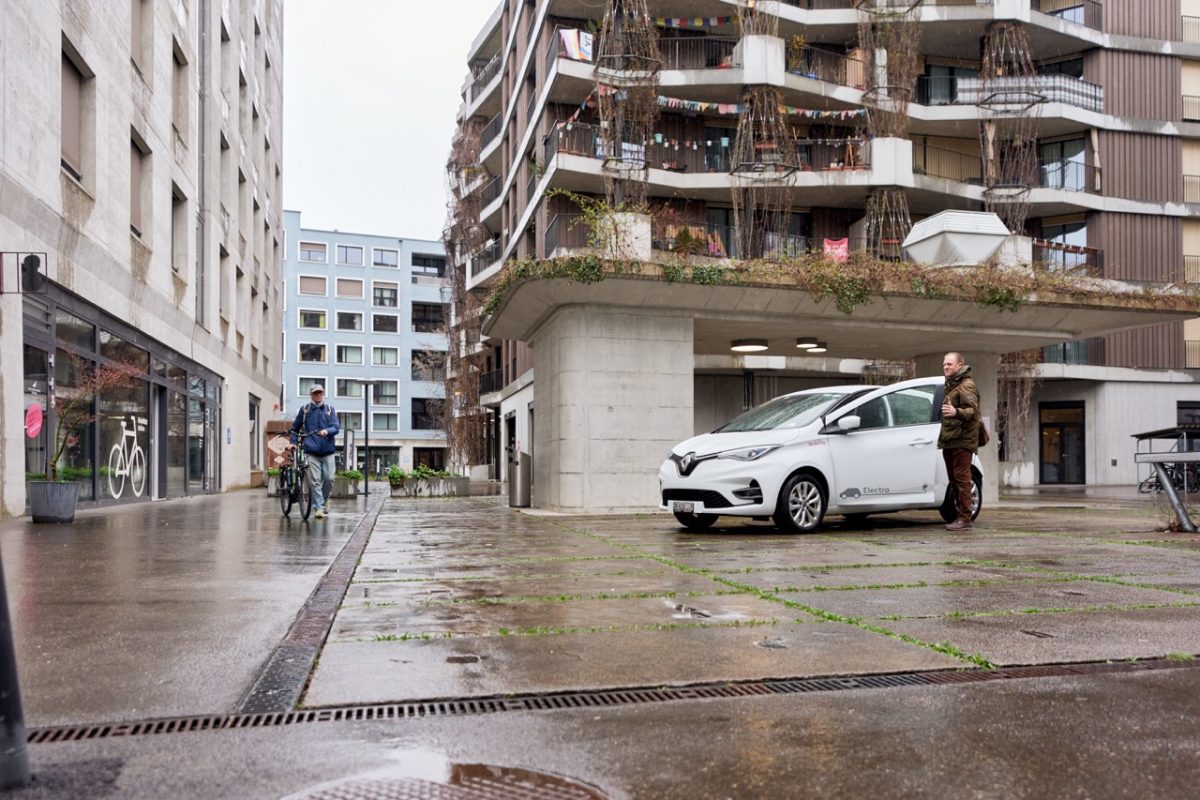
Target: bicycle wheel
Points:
(1149, 484)
(116, 471)
(305, 500)
(285, 490)
(137, 471)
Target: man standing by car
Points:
(315, 427)
(959, 438)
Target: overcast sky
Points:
(370, 90)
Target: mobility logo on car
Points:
(855, 492)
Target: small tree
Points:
(73, 406)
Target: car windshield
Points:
(789, 411)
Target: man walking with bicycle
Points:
(315, 428)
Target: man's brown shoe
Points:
(959, 525)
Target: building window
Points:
(304, 385)
(428, 365)
(350, 420)
(311, 284)
(385, 323)
(137, 183)
(1071, 238)
(312, 353)
(349, 287)
(426, 413)
(432, 457)
(138, 14)
(385, 422)
(349, 321)
(385, 356)
(385, 295)
(1063, 165)
(179, 229)
(349, 255)
(180, 96)
(312, 320)
(386, 393)
(349, 354)
(429, 265)
(386, 258)
(313, 251)
(428, 318)
(74, 79)
(349, 387)
(1187, 412)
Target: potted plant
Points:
(345, 483)
(54, 500)
(424, 481)
(273, 481)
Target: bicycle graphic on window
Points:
(126, 459)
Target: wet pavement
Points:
(173, 608)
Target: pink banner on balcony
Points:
(837, 249)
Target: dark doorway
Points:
(1060, 427)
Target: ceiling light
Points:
(820, 348)
(748, 345)
(806, 342)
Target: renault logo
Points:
(685, 463)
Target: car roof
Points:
(850, 388)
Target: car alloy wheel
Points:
(802, 504)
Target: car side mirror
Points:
(850, 422)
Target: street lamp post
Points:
(366, 436)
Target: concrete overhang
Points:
(894, 324)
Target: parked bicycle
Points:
(1184, 477)
(295, 484)
(126, 459)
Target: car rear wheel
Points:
(801, 504)
(950, 513)
(695, 522)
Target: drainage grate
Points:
(475, 706)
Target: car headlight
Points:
(749, 453)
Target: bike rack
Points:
(1160, 460)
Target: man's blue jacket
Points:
(311, 419)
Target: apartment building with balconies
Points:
(141, 175)
(1110, 114)
(364, 316)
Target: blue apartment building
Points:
(366, 316)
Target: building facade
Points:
(1070, 118)
(365, 317)
(140, 178)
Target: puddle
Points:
(462, 660)
(425, 773)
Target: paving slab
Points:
(805, 580)
(1056, 638)
(372, 672)
(537, 569)
(372, 622)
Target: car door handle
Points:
(920, 442)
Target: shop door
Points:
(1062, 451)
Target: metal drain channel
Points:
(454, 707)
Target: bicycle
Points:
(295, 484)
(124, 463)
(1182, 476)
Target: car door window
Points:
(912, 406)
(872, 414)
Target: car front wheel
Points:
(801, 504)
(948, 510)
(695, 522)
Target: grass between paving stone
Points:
(1178, 545)
(945, 648)
(1059, 575)
(560, 630)
(1015, 612)
(567, 598)
(522, 576)
(820, 567)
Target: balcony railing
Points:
(697, 52)
(490, 131)
(949, 164)
(1191, 269)
(486, 257)
(566, 231)
(490, 192)
(1088, 13)
(1070, 257)
(1074, 176)
(998, 92)
(1191, 354)
(484, 76)
(1191, 188)
(828, 66)
(491, 381)
(1191, 108)
(1191, 30)
(820, 5)
(1080, 351)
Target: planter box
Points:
(344, 489)
(432, 487)
(273, 485)
(51, 501)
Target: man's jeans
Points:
(958, 470)
(321, 469)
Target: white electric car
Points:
(849, 450)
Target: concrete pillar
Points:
(614, 394)
(985, 368)
(12, 402)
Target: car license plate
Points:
(682, 508)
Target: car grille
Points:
(709, 498)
